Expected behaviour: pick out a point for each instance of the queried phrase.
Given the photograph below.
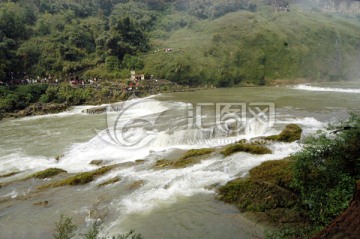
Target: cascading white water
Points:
(81, 138)
(326, 89)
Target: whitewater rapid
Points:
(327, 89)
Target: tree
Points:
(126, 38)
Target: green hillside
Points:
(220, 42)
(254, 46)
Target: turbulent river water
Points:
(169, 203)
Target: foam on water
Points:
(104, 147)
(19, 162)
(326, 89)
(165, 187)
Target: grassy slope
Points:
(253, 45)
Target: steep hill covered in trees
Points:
(210, 42)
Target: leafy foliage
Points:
(21, 96)
(325, 172)
(65, 228)
(322, 178)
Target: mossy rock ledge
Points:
(48, 173)
(291, 133)
(256, 196)
(266, 196)
(81, 178)
(251, 148)
(190, 158)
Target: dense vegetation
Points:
(208, 46)
(18, 97)
(326, 171)
(304, 193)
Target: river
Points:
(170, 203)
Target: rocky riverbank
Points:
(300, 195)
(38, 109)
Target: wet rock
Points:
(43, 203)
(137, 185)
(111, 181)
(8, 175)
(81, 178)
(97, 162)
(57, 158)
(163, 163)
(48, 173)
(95, 110)
(126, 165)
(190, 158)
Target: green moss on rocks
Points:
(197, 152)
(191, 157)
(266, 196)
(111, 181)
(252, 195)
(185, 162)
(8, 175)
(278, 172)
(48, 173)
(291, 133)
(163, 163)
(81, 178)
(247, 148)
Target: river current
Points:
(169, 203)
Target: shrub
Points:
(65, 229)
(326, 170)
